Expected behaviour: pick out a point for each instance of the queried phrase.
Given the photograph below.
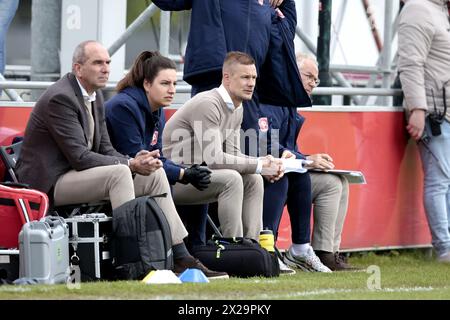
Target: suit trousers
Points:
(330, 202)
(239, 197)
(116, 183)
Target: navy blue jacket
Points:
(284, 122)
(219, 26)
(279, 81)
(133, 127)
(279, 86)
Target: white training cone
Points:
(161, 276)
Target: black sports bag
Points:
(239, 257)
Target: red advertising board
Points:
(388, 210)
(385, 212)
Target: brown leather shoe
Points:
(327, 258)
(342, 264)
(180, 265)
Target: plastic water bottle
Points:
(266, 240)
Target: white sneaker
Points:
(284, 269)
(445, 258)
(308, 262)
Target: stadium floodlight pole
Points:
(45, 41)
(306, 40)
(387, 56)
(323, 49)
(137, 23)
(164, 34)
(338, 25)
(373, 77)
(372, 25)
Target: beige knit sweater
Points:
(424, 54)
(204, 129)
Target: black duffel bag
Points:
(239, 257)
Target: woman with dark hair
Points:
(135, 118)
(135, 122)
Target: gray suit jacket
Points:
(56, 137)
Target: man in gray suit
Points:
(67, 152)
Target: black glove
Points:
(198, 176)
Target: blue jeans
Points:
(435, 154)
(7, 12)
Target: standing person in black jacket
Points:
(262, 28)
(218, 27)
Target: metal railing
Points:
(137, 23)
(343, 91)
(383, 68)
(12, 94)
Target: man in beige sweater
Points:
(206, 130)
(424, 68)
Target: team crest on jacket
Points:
(154, 138)
(263, 124)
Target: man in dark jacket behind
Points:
(218, 27)
(264, 29)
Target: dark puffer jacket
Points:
(219, 26)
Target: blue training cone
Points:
(193, 275)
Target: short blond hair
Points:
(236, 57)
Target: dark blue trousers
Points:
(194, 219)
(294, 189)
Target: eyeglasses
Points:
(311, 79)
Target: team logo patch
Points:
(261, 2)
(263, 124)
(155, 138)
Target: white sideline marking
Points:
(261, 281)
(338, 291)
(10, 288)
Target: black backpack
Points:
(141, 239)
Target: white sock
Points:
(299, 249)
